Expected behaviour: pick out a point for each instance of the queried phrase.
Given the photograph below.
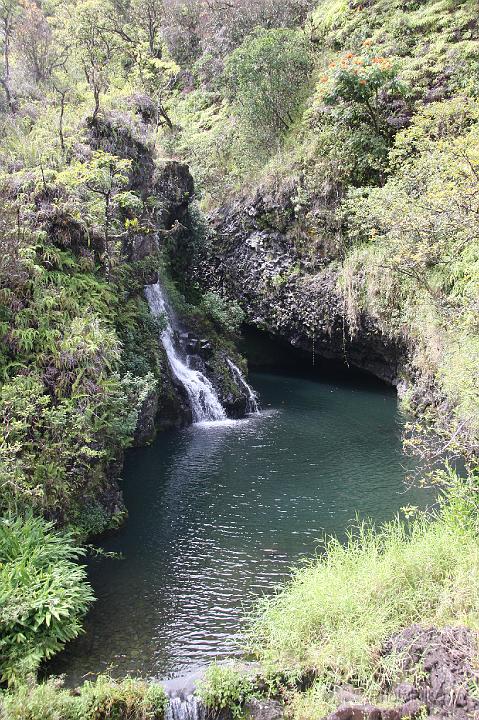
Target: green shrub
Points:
(46, 701)
(266, 80)
(225, 688)
(364, 81)
(128, 699)
(227, 314)
(362, 93)
(103, 699)
(54, 454)
(43, 594)
(68, 405)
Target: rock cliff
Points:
(260, 254)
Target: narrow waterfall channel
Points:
(204, 402)
(252, 407)
(185, 708)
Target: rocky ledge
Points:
(260, 254)
(440, 677)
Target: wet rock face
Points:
(202, 355)
(145, 426)
(264, 709)
(167, 188)
(184, 686)
(172, 409)
(411, 711)
(256, 257)
(174, 191)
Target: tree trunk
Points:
(96, 95)
(8, 94)
(163, 114)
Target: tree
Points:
(95, 44)
(214, 28)
(366, 102)
(62, 92)
(137, 29)
(33, 38)
(9, 13)
(265, 79)
(135, 21)
(102, 179)
(366, 85)
(158, 77)
(181, 29)
(149, 15)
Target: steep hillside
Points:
(359, 240)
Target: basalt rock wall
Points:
(261, 255)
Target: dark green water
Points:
(219, 513)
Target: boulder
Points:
(264, 709)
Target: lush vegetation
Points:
(368, 113)
(225, 687)
(84, 89)
(43, 595)
(373, 138)
(335, 615)
(265, 80)
(103, 699)
(67, 405)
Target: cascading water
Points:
(204, 402)
(252, 407)
(187, 708)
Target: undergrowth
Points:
(335, 614)
(102, 699)
(227, 688)
(43, 595)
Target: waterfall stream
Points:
(204, 401)
(252, 407)
(187, 708)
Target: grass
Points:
(225, 689)
(335, 614)
(103, 699)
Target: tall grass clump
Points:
(336, 612)
(43, 595)
(225, 689)
(102, 699)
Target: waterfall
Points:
(185, 708)
(183, 703)
(201, 394)
(252, 407)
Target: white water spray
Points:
(204, 401)
(252, 407)
(187, 708)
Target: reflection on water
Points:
(220, 511)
